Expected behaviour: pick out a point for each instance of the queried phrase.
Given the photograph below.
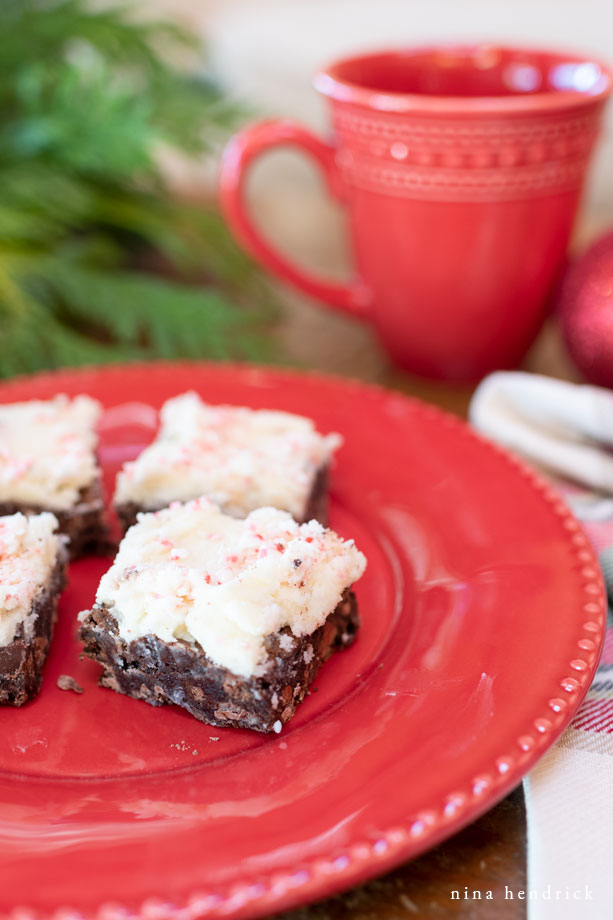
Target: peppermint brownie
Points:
(33, 561)
(241, 458)
(228, 618)
(48, 463)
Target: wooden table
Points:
(491, 853)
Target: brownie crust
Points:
(317, 503)
(178, 673)
(316, 506)
(85, 523)
(22, 660)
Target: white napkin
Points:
(562, 427)
(567, 431)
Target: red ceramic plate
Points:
(483, 615)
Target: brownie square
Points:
(241, 458)
(48, 463)
(33, 561)
(230, 619)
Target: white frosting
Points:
(191, 572)
(241, 458)
(28, 553)
(47, 450)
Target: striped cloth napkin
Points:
(567, 431)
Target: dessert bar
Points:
(48, 463)
(228, 618)
(33, 560)
(241, 458)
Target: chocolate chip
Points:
(297, 563)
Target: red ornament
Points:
(586, 312)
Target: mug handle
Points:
(352, 297)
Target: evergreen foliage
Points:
(87, 96)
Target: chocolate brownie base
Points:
(22, 660)
(316, 507)
(127, 513)
(85, 523)
(175, 672)
(317, 504)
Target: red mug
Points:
(461, 169)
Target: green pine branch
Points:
(86, 97)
